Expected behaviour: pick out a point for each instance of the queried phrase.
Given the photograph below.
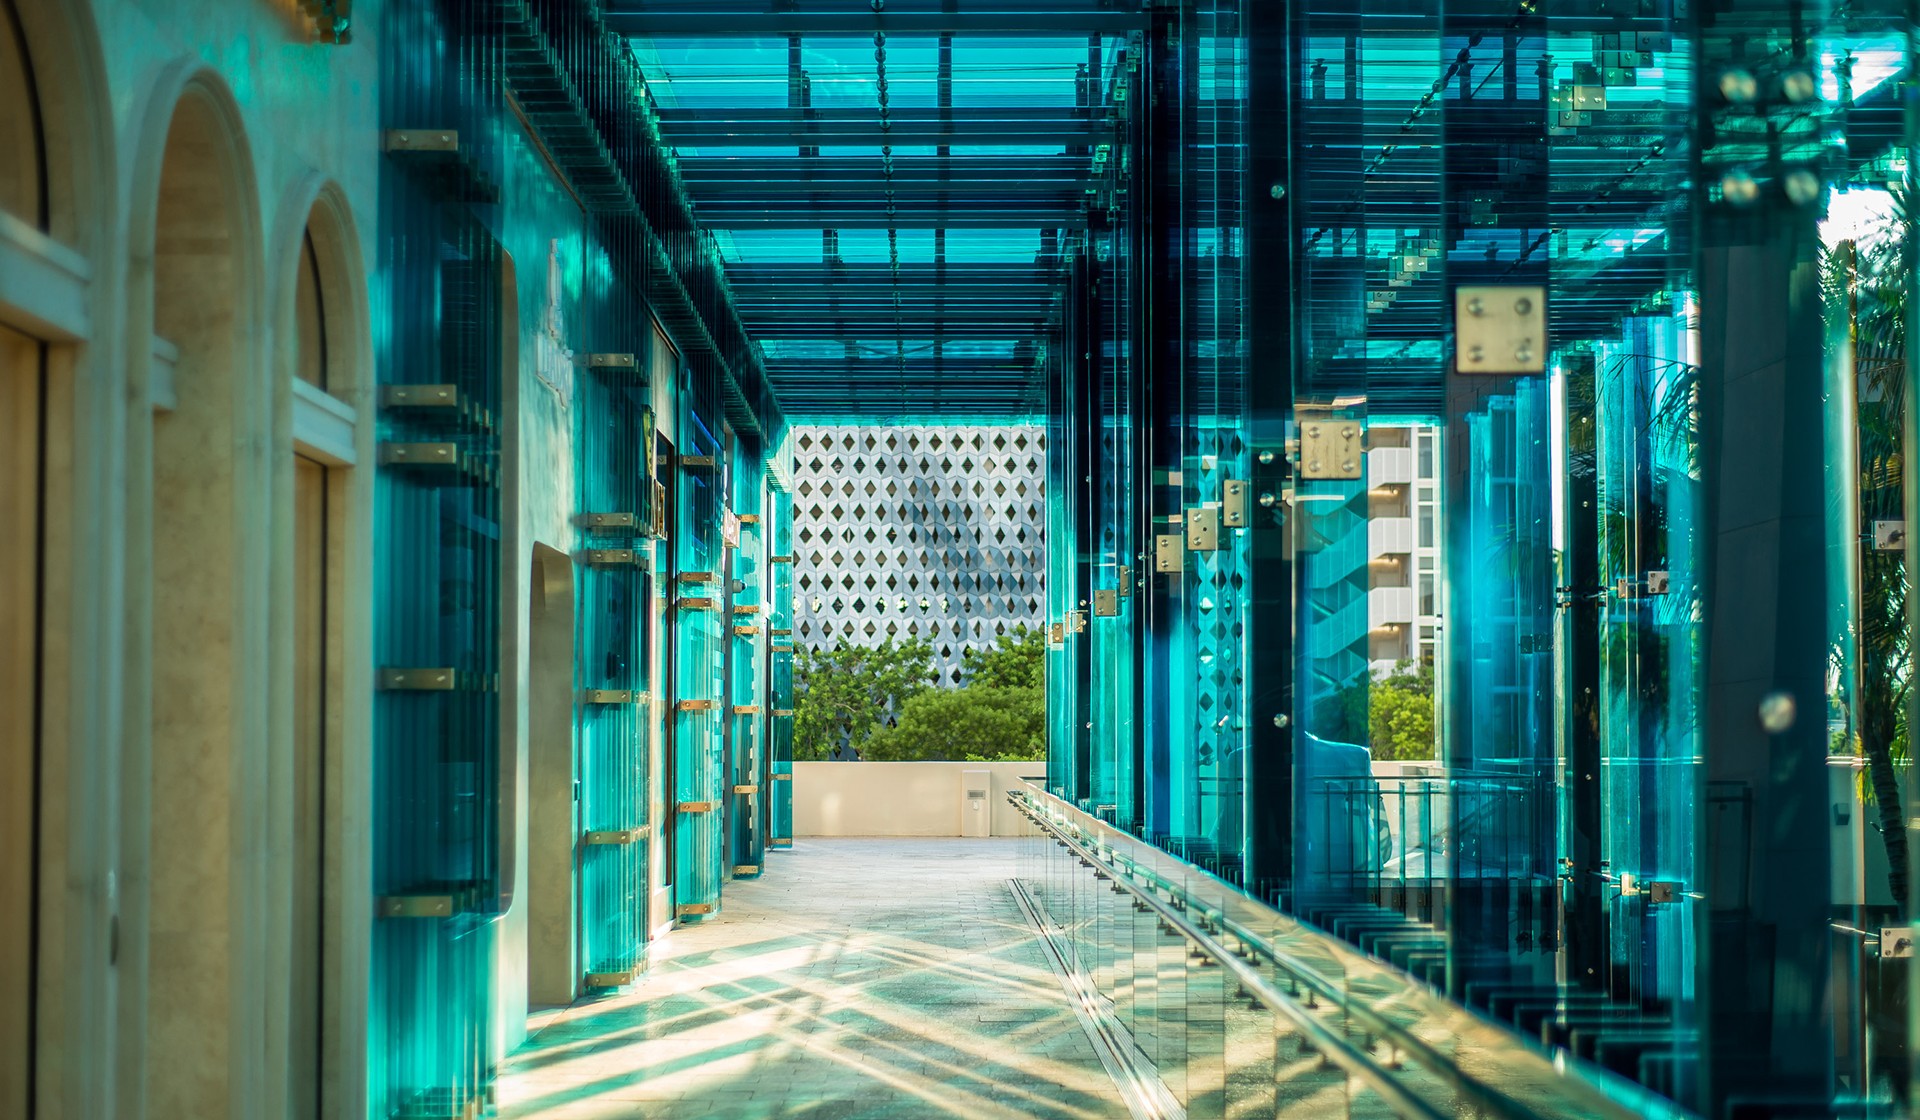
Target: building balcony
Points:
(1388, 536)
(1391, 606)
(1390, 466)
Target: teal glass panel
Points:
(614, 589)
(1649, 494)
(440, 875)
(748, 775)
(780, 652)
(700, 768)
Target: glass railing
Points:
(1208, 1002)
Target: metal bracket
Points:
(419, 454)
(612, 557)
(419, 680)
(611, 696)
(419, 396)
(611, 361)
(1331, 449)
(1889, 536)
(1500, 328)
(607, 521)
(416, 906)
(1123, 576)
(1896, 941)
(1169, 553)
(1660, 892)
(1106, 604)
(420, 140)
(612, 836)
(609, 979)
(1233, 504)
(1203, 528)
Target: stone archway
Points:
(208, 870)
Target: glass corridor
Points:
(1457, 457)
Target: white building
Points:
(918, 531)
(1403, 545)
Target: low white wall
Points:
(898, 798)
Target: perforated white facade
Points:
(932, 531)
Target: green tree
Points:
(1399, 711)
(1400, 714)
(843, 693)
(1015, 660)
(979, 723)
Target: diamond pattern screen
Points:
(930, 531)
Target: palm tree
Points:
(1866, 289)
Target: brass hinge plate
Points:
(1169, 553)
(1331, 449)
(420, 140)
(1233, 504)
(1203, 528)
(1500, 328)
(612, 696)
(416, 906)
(419, 396)
(419, 680)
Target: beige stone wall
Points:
(899, 798)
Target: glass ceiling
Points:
(889, 191)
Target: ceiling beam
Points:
(853, 217)
(762, 18)
(782, 127)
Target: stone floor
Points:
(858, 979)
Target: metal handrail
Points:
(1331, 1045)
(1576, 1090)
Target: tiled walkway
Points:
(859, 978)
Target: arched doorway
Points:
(322, 373)
(208, 614)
